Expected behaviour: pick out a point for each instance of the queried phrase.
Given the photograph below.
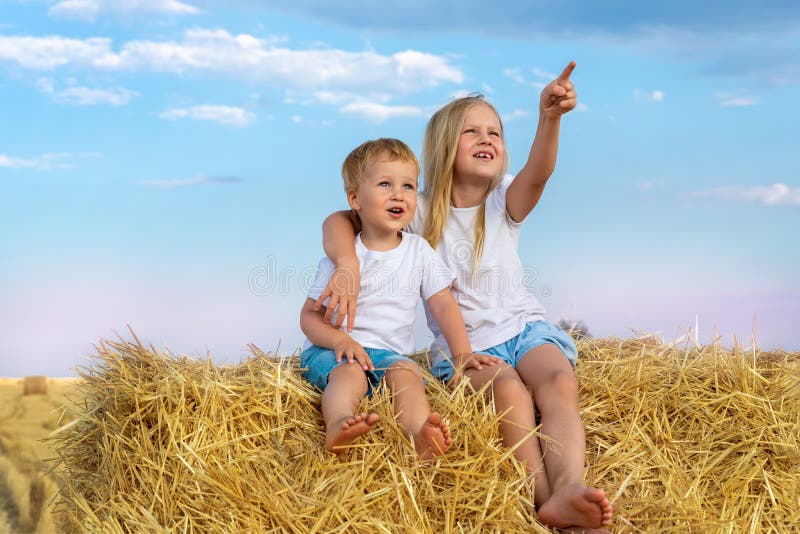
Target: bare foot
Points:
(581, 530)
(345, 432)
(576, 507)
(433, 437)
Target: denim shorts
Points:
(536, 333)
(317, 364)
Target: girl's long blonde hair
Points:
(439, 155)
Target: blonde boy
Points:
(396, 268)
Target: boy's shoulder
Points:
(417, 242)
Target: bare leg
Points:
(511, 395)
(430, 433)
(347, 385)
(549, 374)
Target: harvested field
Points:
(683, 439)
(26, 487)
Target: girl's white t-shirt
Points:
(392, 283)
(497, 303)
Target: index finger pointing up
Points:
(567, 71)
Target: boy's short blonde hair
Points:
(356, 162)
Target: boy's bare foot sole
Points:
(576, 507)
(345, 432)
(582, 530)
(433, 437)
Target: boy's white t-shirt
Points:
(497, 304)
(392, 282)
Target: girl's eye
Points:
(469, 130)
(496, 134)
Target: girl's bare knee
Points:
(560, 385)
(508, 384)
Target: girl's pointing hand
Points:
(559, 96)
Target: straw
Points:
(682, 438)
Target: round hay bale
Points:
(683, 439)
(34, 385)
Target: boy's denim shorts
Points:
(317, 364)
(536, 333)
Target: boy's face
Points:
(387, 195)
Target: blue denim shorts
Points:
(536, 333)
(317, 364)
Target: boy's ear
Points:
(352, 199)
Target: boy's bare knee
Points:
(350, 372)
(401, 368)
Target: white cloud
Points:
(297, 119)
(172, 183)
(652, 96)
(45, 53)
(581, 107)
(516, 114)
(90, 9)
(380, 112)
(244, 56)
(515, 74)
(650, 184)
(85, 96)
(769, 195)
(734, 100)
(543, 74)
(227, 115)
(44, 162)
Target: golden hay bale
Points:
(682, 440)
(34, 385)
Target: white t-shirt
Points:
(497, 303)
(392, 282)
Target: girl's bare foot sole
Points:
(576, 507)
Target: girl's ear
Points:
(352, 199)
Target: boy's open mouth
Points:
(396, 211)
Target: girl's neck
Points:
(467, 194)
(380, 241)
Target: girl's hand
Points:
(342, 288)
(559, 96)
(472, 361)
(353, 351)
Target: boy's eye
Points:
(410, 187)
(383, 184)
(496, 134)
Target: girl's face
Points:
(481, 148)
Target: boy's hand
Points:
(342, 288)
(559, 96)
(353, 351)
(472, 361)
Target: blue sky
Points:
(167, 164)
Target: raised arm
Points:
(445, 311)
(338, 239)
(557, 98)
(324, 335)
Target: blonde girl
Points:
(472, 213)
